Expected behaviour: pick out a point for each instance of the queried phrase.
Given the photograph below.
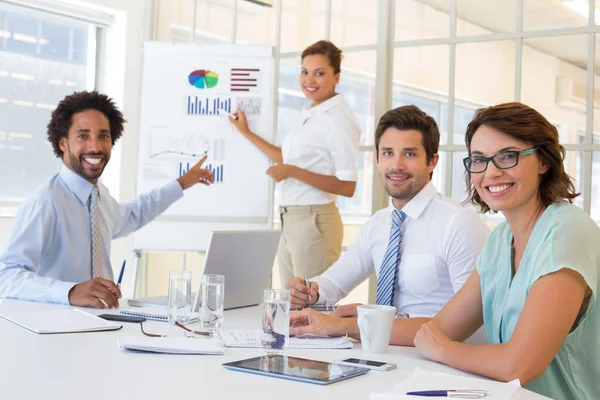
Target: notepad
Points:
(422, 379)
(167, 345)
(146, 312)
(251, 338)
(59, 320)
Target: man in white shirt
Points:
(422, 248)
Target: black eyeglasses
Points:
(176, 324)
(503, 160)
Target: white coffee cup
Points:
(375, 324)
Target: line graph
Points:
(250, 105)
(165, 143)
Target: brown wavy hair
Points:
(526, 125)
(327, 49)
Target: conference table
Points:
(91, 366)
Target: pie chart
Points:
(203, 79)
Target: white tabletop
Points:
(90, 366)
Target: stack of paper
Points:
(422, 380)
(251, 338)
(179, 345)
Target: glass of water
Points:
(179, 305)
(212, 298)
(275, 320)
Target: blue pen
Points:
(463, 394)
(121, 274)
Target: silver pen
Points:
(307, 284)
(464, 394)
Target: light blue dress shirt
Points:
(49, 250)
(563, 237)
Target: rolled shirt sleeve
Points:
(343, 144)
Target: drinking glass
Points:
(275, 320)
(179, 305)
(212, 298)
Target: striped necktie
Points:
(97, 256)
(386, 284)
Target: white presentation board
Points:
(184, 86)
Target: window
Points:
(43, 58)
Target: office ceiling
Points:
(499, 16)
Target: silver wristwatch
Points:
(402, 316)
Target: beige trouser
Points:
(311, 240)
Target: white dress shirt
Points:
(324, 141)
(440, 244)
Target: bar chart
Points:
(207, 106)
(217, 170)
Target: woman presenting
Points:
(317, 161)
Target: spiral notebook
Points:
(251, 338)
(151, 313)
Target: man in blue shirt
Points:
(59, 247)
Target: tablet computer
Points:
(297, 369)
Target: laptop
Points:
(246, 260)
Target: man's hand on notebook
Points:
(307, 321)
(97, 293)
(346, 311)
(299, 292)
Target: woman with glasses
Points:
(535, 286)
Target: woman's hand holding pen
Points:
(299, 292)
(241, 123)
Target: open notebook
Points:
(251, 338)
(59, 320)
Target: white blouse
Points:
(324, 141)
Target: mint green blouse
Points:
(563, 237)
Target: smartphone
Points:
(121, 318)
(370, 364)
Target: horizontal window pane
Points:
(418, 20)
(418, 81)
(255, 23)
(485, 75)
(554, 14)
(558, 90)
(353, 22)
(212, 21)
(302, 24)
(33, 79)
(485, 17)
(357, 87)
